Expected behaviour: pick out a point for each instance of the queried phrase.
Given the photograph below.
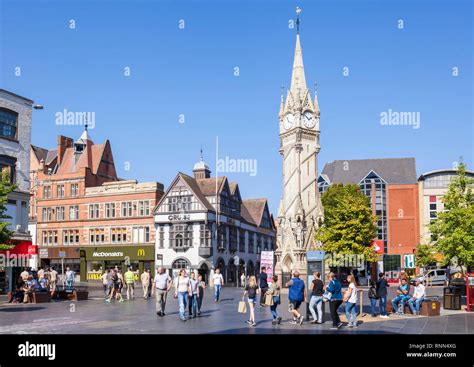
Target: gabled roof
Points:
(252, 210)
(391, 170)
(208, 185)
(69, 164)
(40, 153)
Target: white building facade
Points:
(202, 224)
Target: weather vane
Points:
(298, 11)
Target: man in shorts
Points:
(296, 296)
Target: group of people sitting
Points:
(29, 282)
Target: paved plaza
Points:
(138, 317)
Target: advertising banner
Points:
(266, 260)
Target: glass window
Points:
(8, 123)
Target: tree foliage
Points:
(349, 225)
(5, 188)
(452, 233)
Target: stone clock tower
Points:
(300, 209)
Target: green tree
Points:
(348, 222)
(452, 233)
(5, 188)
(425, 255)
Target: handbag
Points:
(327, 296)
(268, 300)
(242, 306)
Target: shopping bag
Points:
(242, 307)
(268, 300)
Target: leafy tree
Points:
(348, 222)
(425, 255)
(452, 232)
(5, 188)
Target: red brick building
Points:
(391, 184)
(84, 215)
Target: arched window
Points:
(8, 123)
(180, 264)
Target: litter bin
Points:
(451, 298)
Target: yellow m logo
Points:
(141, 252)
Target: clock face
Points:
(289, 120)
(309, 120)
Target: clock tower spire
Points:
(300, 209)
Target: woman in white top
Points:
(182, 291)
(350, 297)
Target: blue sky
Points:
(190, 71)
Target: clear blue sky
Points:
(190, 72)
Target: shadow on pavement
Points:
(20, 309)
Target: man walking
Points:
(218, 281)
(162, 285)
(130, 283)
(70, 275)
(53, 281)
(382, 286)
(296, 296)
(263, 285)
(145, 278)
(193, 295)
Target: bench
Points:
(35, 297)
(72, 295)
(427, 308)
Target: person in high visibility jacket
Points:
(130, 282)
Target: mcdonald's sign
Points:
(141, 252)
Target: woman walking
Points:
(334, 289)
(274, 291)
(316, 302)
(350, 297)
(251, 291)
(182, 291)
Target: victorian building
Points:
(202, 223)
(300, 210)
(84, 215)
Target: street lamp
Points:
(38, 107)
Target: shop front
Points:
(14, 260)
(57, 257)
(95, 260)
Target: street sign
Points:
(62, 253)
(378, 246)
(159, 257)
(408, 261)
(236, 260)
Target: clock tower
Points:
(300, 210)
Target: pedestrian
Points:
(201, 287)
(40, 273)
(316, 301)
(162, 285)
(70, 275)
(263, 285)
(373, 297)
(218, 281)
(53, 281)
(116, 288)
(296, 296)
(130, 283)
(193, 296)
(182, 291)
(105, 282)
(403, 295)
(418, 297)
(242, 280)
(382, 286)
(274, 292)
(350, 297)
(145, 279)
(334, 290)
(251, 291)
(150, 283)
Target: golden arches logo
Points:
(141, 252)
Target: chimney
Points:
(63, 143)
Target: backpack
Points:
(373, 293)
